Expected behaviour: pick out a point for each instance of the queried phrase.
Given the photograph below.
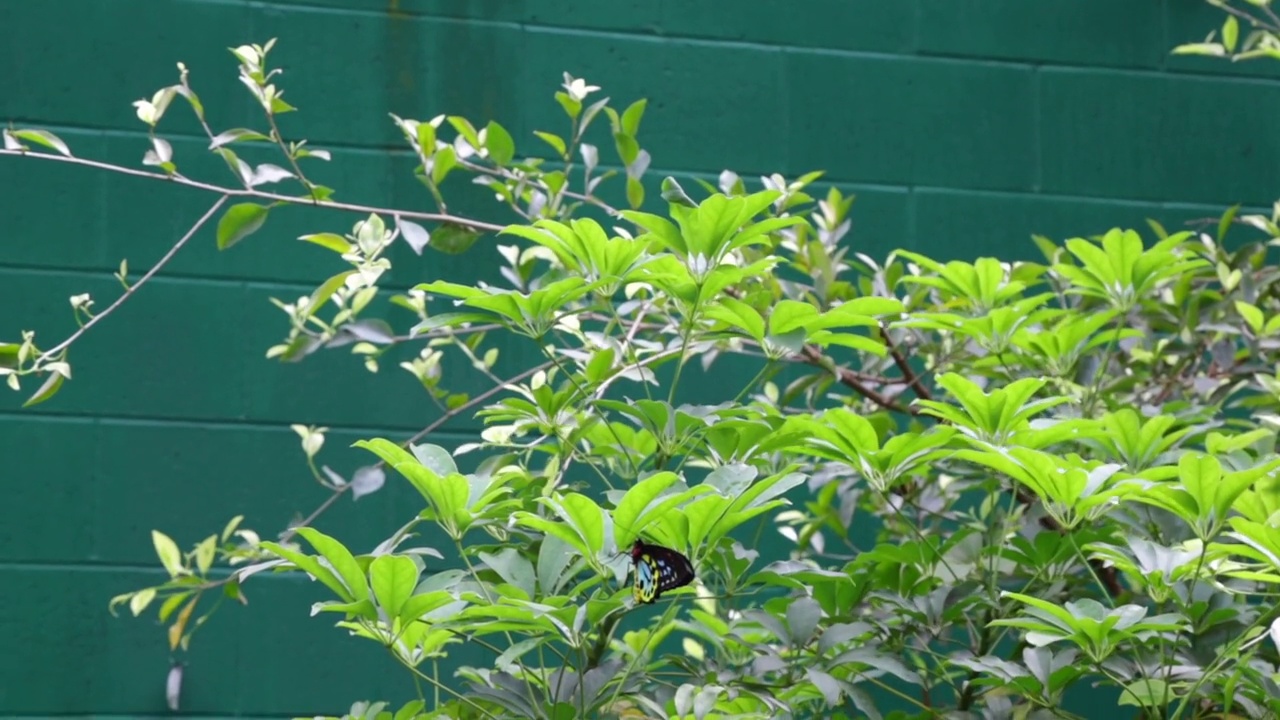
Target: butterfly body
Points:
(657, 570)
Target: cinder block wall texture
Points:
(963, 126)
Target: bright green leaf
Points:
(239, 222)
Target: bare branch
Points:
(141, 281)
(258, 194)
(813, 355)
(908, 374)
(435, 425)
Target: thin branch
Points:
(258, 194)
(293, 162)
(447, 332)
(129, 291)
(589, 199)
(813, 355)
(1256, 22)
(908, 374)
(435, 425)
(1275, 19)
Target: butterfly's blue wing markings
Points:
(658, 569)
(645, 590)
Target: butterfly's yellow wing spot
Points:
(645, 589)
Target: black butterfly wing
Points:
(665, 569)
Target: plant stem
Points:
(163, 261)
(259, 194)
(432, 427)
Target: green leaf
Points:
(559, 530)
(633, 504)
(206, 551)
(803, 616)
(465, 129)
(553, 560)
(571, 107)
(1252, 315)
(443, 161)
(791, 315)
(601, 365)
(236, 135)
(763, 495)
(738, 314)
(498, 142)
(311, 566)
(457, 319)
(426, 602)
(635, 193)
(1230, 33)
(631, 117)
(326, 291)
(555, 141)
(434, 458)
(170, 604)
(448, 494)
(410, 710)
(239, 222)
(43, 137)
(393, 578)
(627, 146)
(1147, 692)
(1201, 475)
(1224, 222)
(674, 194)
(587, 518)
(169, 554)
(341, 560)
(513, 568)
(1212, 49)
(330, 241)
(452, 239)
(427, 137)
(141, 600)
(48, 389)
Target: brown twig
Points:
(284, 150)
(129, 291)
(258, 194)
(1108, 576)
(435, 425)
(1256, 22)
(813, 355)
(589, 199)
(908, 374)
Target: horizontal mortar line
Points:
(218, 572)
(696, 40)
(1105, 199)
(147, 715)
(184, 278)
(712, 174)
(454, 433)
(941, 58)
(86, 129)
(87, 566)
(909, 187)
(934, 57)
(98, 567)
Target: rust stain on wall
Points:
(400, 56)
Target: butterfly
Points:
(658, 569)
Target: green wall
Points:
(962, 125)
